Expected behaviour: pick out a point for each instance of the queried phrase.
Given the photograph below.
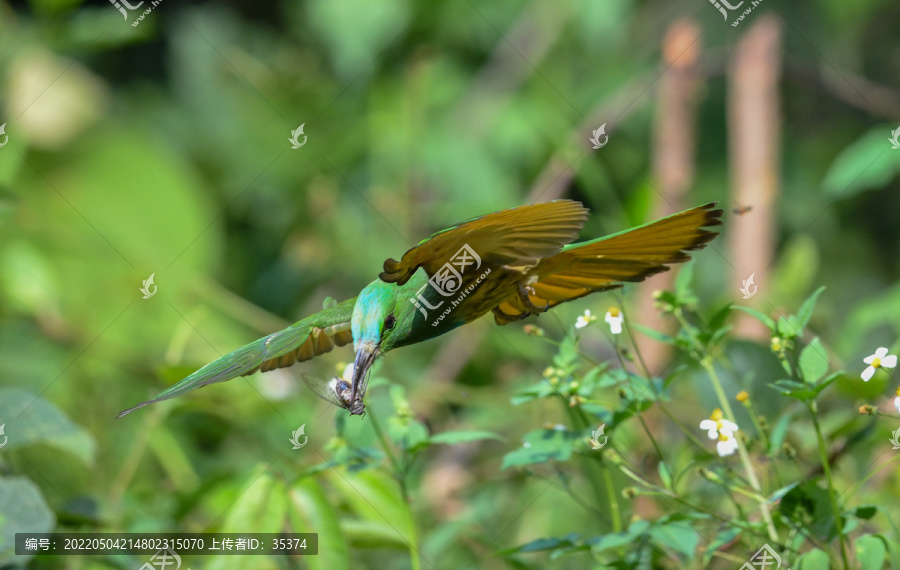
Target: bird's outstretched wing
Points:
(609, 262)
(306, 339)
(517, 236)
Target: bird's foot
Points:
(524, 291)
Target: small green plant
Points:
(769, 482)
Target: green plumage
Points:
(514, 263)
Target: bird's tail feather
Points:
(610, 261)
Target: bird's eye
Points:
(389, 322)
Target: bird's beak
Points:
(366, 355)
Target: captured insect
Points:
(337, 391)
(741, 210)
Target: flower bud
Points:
(533, 330)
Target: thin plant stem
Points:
(613, 500)
(640, 415)
(580, 422)
(400, 474)
(649, 378)
(823, 454)
(133, 459)
(751, 411)
(707, 364)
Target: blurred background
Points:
(162, 149)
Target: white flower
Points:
(585, 320)
(897, 401)
(715, 426)
(726, 445)
(614, 318)
(881, 358)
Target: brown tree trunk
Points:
(674, 142)
(754, 143)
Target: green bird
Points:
(513, 263)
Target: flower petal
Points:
(881, 352)
(727, 447)
(869, 359)
(728, 427)
(889, 361)
(868, 373)
(615, 323)
(710, 426)
(897, 403)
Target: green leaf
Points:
(808, 505)
(664, 475)
(680, 536)
(800, 391)
(865, 512)
(550, 543)
(867, 163)
(815, 559)
(654, 334)
(22, 509)
(310, 511)
(451, 437)
(260, 507)
(779, 432)
(717, 321)
(541, 389)
(612, 540)
(813, 361)
(30, 419)
(870, 552)
(761, 317)
(683, 291)
(541, 446)
(777, 495)
(721, 539)
(370, 534)
(786, 329)
(567, 357)
(801, 319)
(374, 496)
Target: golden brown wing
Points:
(518, 236)
(609, 262)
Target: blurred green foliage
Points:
(163, 149)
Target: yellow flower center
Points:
(716, 415)
(613, 312)
(723, 437)
(742, 396)
(876, 363)
(898, 391)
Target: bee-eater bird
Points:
(513, 263)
